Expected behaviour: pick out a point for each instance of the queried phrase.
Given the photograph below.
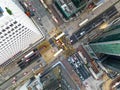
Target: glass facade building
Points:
(108, 45)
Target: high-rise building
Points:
(17, 31)
(106, 47)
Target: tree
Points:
(8, 10)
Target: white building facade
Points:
(17, 31)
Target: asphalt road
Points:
(20, 76)
(79, 67)
(106, 15)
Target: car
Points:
(91, 5)
(25, 73)
(27, 60)
(82, 33)
(73, 39)
(72, 60)
(76, 65)
(14, 80)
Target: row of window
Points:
(17, 32)
(10, 45)
(11, 28)
(16, 36)
(22, 38)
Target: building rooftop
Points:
(68, 7)
(32, 84)
(17, 31)
(56, 78)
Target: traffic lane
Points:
(79, 58)
(97, 21)
(55, 13)
(110, 11)
(39, 8)
(86, 73)
(81, 70)
(79, 67)
(73, 39)
(11, 82)
(68, 79)
(79, 61)
(20, 75)
(110, 15)
(73, 74)
(78, 71)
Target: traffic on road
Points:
(106, 15)
(79, 66)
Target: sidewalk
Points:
(92, 84)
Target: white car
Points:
(82, 33)
(76, 65)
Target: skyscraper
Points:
(17, 31)
(108, 46)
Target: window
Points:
(19, 28)
(22, 26)
(1, 36)
(8, 31)
(15, 22)
(5, 34)
(15, 27)
(12, 29)
(3, 30)
(19, 24)
(7, 27)
(11, 25)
